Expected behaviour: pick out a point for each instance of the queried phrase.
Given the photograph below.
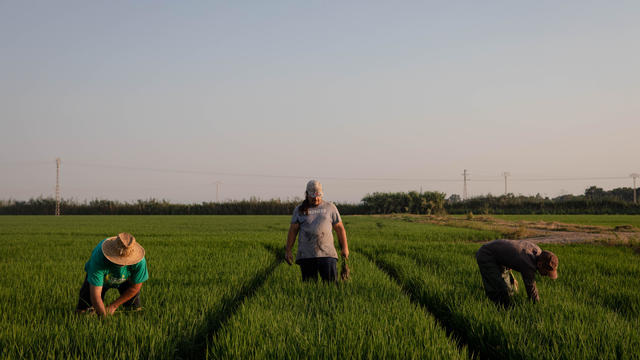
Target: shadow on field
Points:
(196, 347)
(456, 326)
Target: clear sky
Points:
(162, 99)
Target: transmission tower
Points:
(218, 183)
(57, 186)
(505, 174)
(634, 176)
(464, 190)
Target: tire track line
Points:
(443, 317)
(196, 348)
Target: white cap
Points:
(314, 188)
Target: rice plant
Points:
(218, 288)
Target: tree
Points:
(594, 193)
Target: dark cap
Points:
(550, 262)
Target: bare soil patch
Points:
(538, 231)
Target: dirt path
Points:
(538, 231)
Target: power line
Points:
(218, 173)
(25, 162)
(340, 178)
(572, 178)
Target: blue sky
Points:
(163, 99)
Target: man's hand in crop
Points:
(288, 257)
(110, 309)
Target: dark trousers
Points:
(85, 297)
(326, 266)
(498, 280)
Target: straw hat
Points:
(122, 249)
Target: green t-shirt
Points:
(102, 272)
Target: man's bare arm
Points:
(291, 239)
(95, 293)
(126, 296)
(342, 239)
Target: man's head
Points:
(547, 263)
(314, 192)
(122, 250)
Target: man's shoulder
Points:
(329, 205)
(528, 246)
(502, 245)
(139, 265)
(510, 242)
(97, 256)
(296, 212)
(498, 243)
(142, 262)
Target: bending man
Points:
(497, 257)
(117, 262)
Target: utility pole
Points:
(57, 186)
(464, 190)
(505, 174)
(634, 176)
(218, 183)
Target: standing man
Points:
(497, 257)
(313, 220)
(117, 262)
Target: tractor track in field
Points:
(445, 318)
(196, 348)
(534, 231)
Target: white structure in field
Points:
(505, 174)
(57, 186)
(634, 176)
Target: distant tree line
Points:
(594, 201)
(566, 205)
(399, 202)
(46, 206)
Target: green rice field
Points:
(218, 288)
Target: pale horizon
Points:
(162, 100)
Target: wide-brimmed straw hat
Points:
(122, 249)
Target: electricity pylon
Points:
(218, 183)
(634, 176)
(464, 190)
(57, 186)
(505, 174)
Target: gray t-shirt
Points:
(315, 237)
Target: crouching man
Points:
(117, 262)
(497, 257)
